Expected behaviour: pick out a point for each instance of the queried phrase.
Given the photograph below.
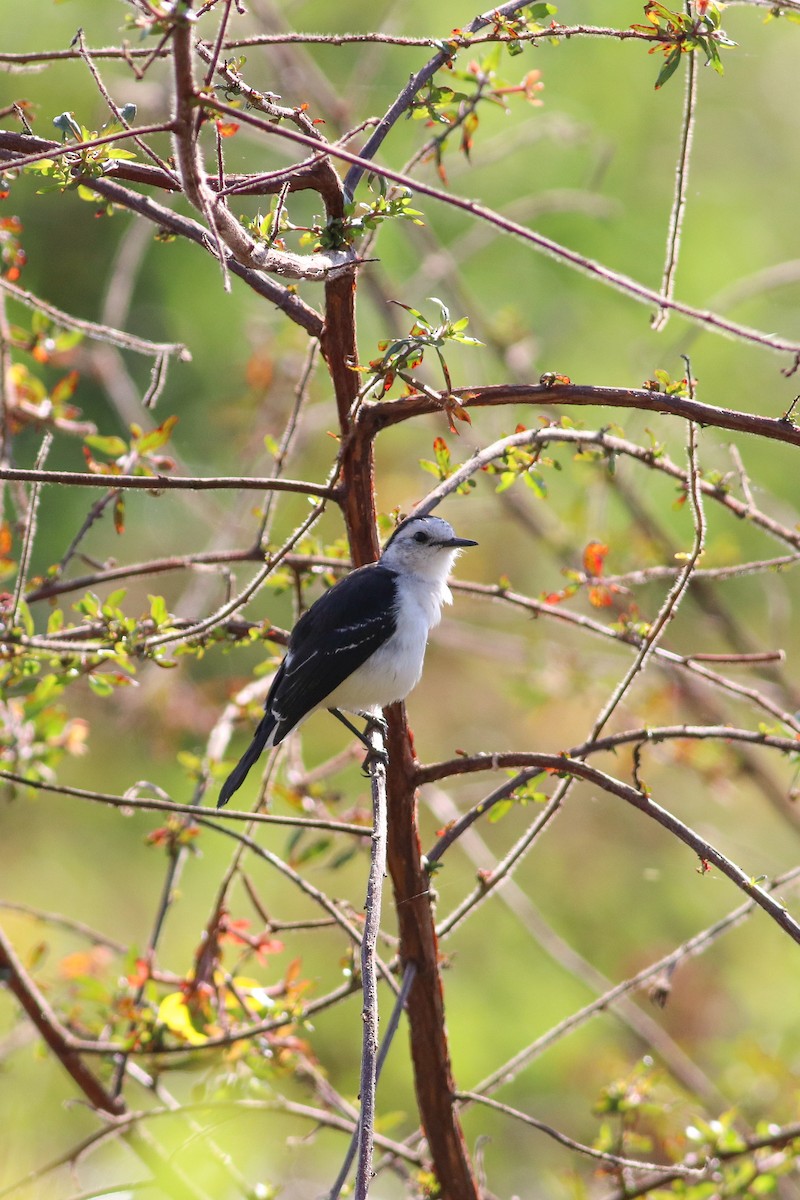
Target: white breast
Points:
(394, 669)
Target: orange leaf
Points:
(119, 514)
(593, 558)
(140, 974)
(85, 962)
(600, 597)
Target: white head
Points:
(424, 546)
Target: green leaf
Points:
(89, 606)
(113, 446)
(535, 482)
(506, 480)
(24, 613)
(542, 12)
(314, 849)
(68, 339)
(55, 622)
(158, 609)
(146, 443)
(101, 685)
(669, 68)
(499, 810)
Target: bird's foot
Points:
(375, 721)
(375, 754)
(372, 757)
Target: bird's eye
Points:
(422, 538)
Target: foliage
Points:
(259, 235)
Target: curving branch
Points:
(412, 89)
(378, 415)
(695, 945)
(170, 483)
(574, 768)
(433, 1075)
(369, 979)
(596, 270)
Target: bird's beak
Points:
(455, 542)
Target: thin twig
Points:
(56, 1037)
(606, 275)
(571, 1144)
(369, 981)
(649, 1031)
(88, 57)
(675, 226)
(29, 535)
(132, 803)
(378, 415)
(289, 435)
(412, 89)
(466, 764)
(168, 483)
(694, 946)
(101, 333)
(670, 605)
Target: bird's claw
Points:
(374, 755)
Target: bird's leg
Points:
(373, 722)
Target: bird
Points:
(361, 645)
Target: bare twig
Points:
(671, 602)
(101, 333)
(132, 803)
(369, 982)
(614, 279)
(29, 535)
(53, 1033)
(693, 946)
(167, 483)
(675, 226)
(571, 1144)
(379, 415)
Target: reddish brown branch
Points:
(357, 478)
(565, 766)
(144, 206)
(52, 1031)
(619, 282)
(300, 177)
(375, 416)
(166, 483)
(433, 1075)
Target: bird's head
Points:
(424, 546)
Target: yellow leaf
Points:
(174, 1013)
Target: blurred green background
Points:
(592, 168)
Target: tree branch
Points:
(378, 415)
(433, 1076)
(52, 1032)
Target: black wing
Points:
(330, 641)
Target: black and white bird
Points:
(361, 645)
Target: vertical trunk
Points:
(433, 1076)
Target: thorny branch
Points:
(351, 485)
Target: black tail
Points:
(248, 759)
